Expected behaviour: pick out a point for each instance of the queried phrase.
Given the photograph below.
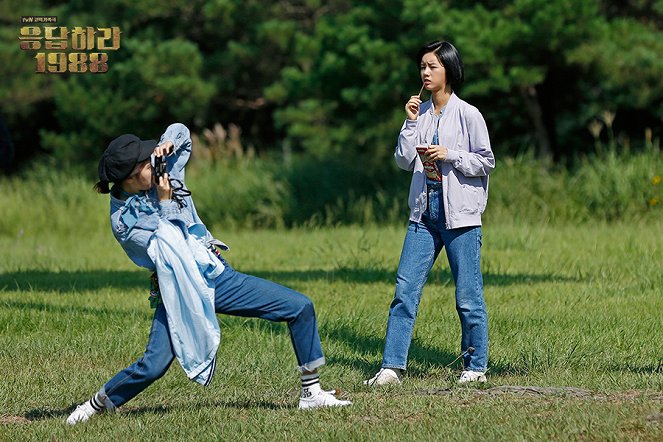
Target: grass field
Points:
(569, 306)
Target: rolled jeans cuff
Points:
(108, 404)
(311, 366)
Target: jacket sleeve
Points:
(136, 238)
(479, 160)
(406, 153)
(181, 138)
(135, 242)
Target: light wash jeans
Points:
(237, 294)
(423, 242)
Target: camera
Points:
(159, 166)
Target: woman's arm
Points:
(479, 161)
(179, 135)
(406, 153)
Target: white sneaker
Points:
(472, 376)
(385, 376)
(81, 414)
(320, 400)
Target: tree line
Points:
(330, 78)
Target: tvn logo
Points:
(39, 19)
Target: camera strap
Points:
(179, 192)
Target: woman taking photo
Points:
(444, 143)
(154, 220)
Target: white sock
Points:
(97, 403)
(310, 385)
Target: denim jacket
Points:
(135, 220)
(187, 270)
(462, 130)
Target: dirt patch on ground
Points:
(13, 420)
(656, 418)
(532, 391)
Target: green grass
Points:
(569, 306)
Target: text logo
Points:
(77, 50)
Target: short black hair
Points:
(448, 55)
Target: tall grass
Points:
(273, 192)
(608, 186)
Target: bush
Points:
(240, 194)
(607, 186)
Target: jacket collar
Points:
(452, 103)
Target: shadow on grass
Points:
(241, 405)
(630, 368)
(90, 280)
(98, 312)
(369, 275)
(42, 413)
(74, 281)
(39, 414)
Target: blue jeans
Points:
(237, 294)
(423, 242)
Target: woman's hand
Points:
(164, 149)
(412, 107)
(164, 191)
(437, 153)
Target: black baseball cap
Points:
(122, 155)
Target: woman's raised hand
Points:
(164, 149)
(164, 190)
(412, 107)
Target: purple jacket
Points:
(462, 130)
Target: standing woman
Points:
(445, 143)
